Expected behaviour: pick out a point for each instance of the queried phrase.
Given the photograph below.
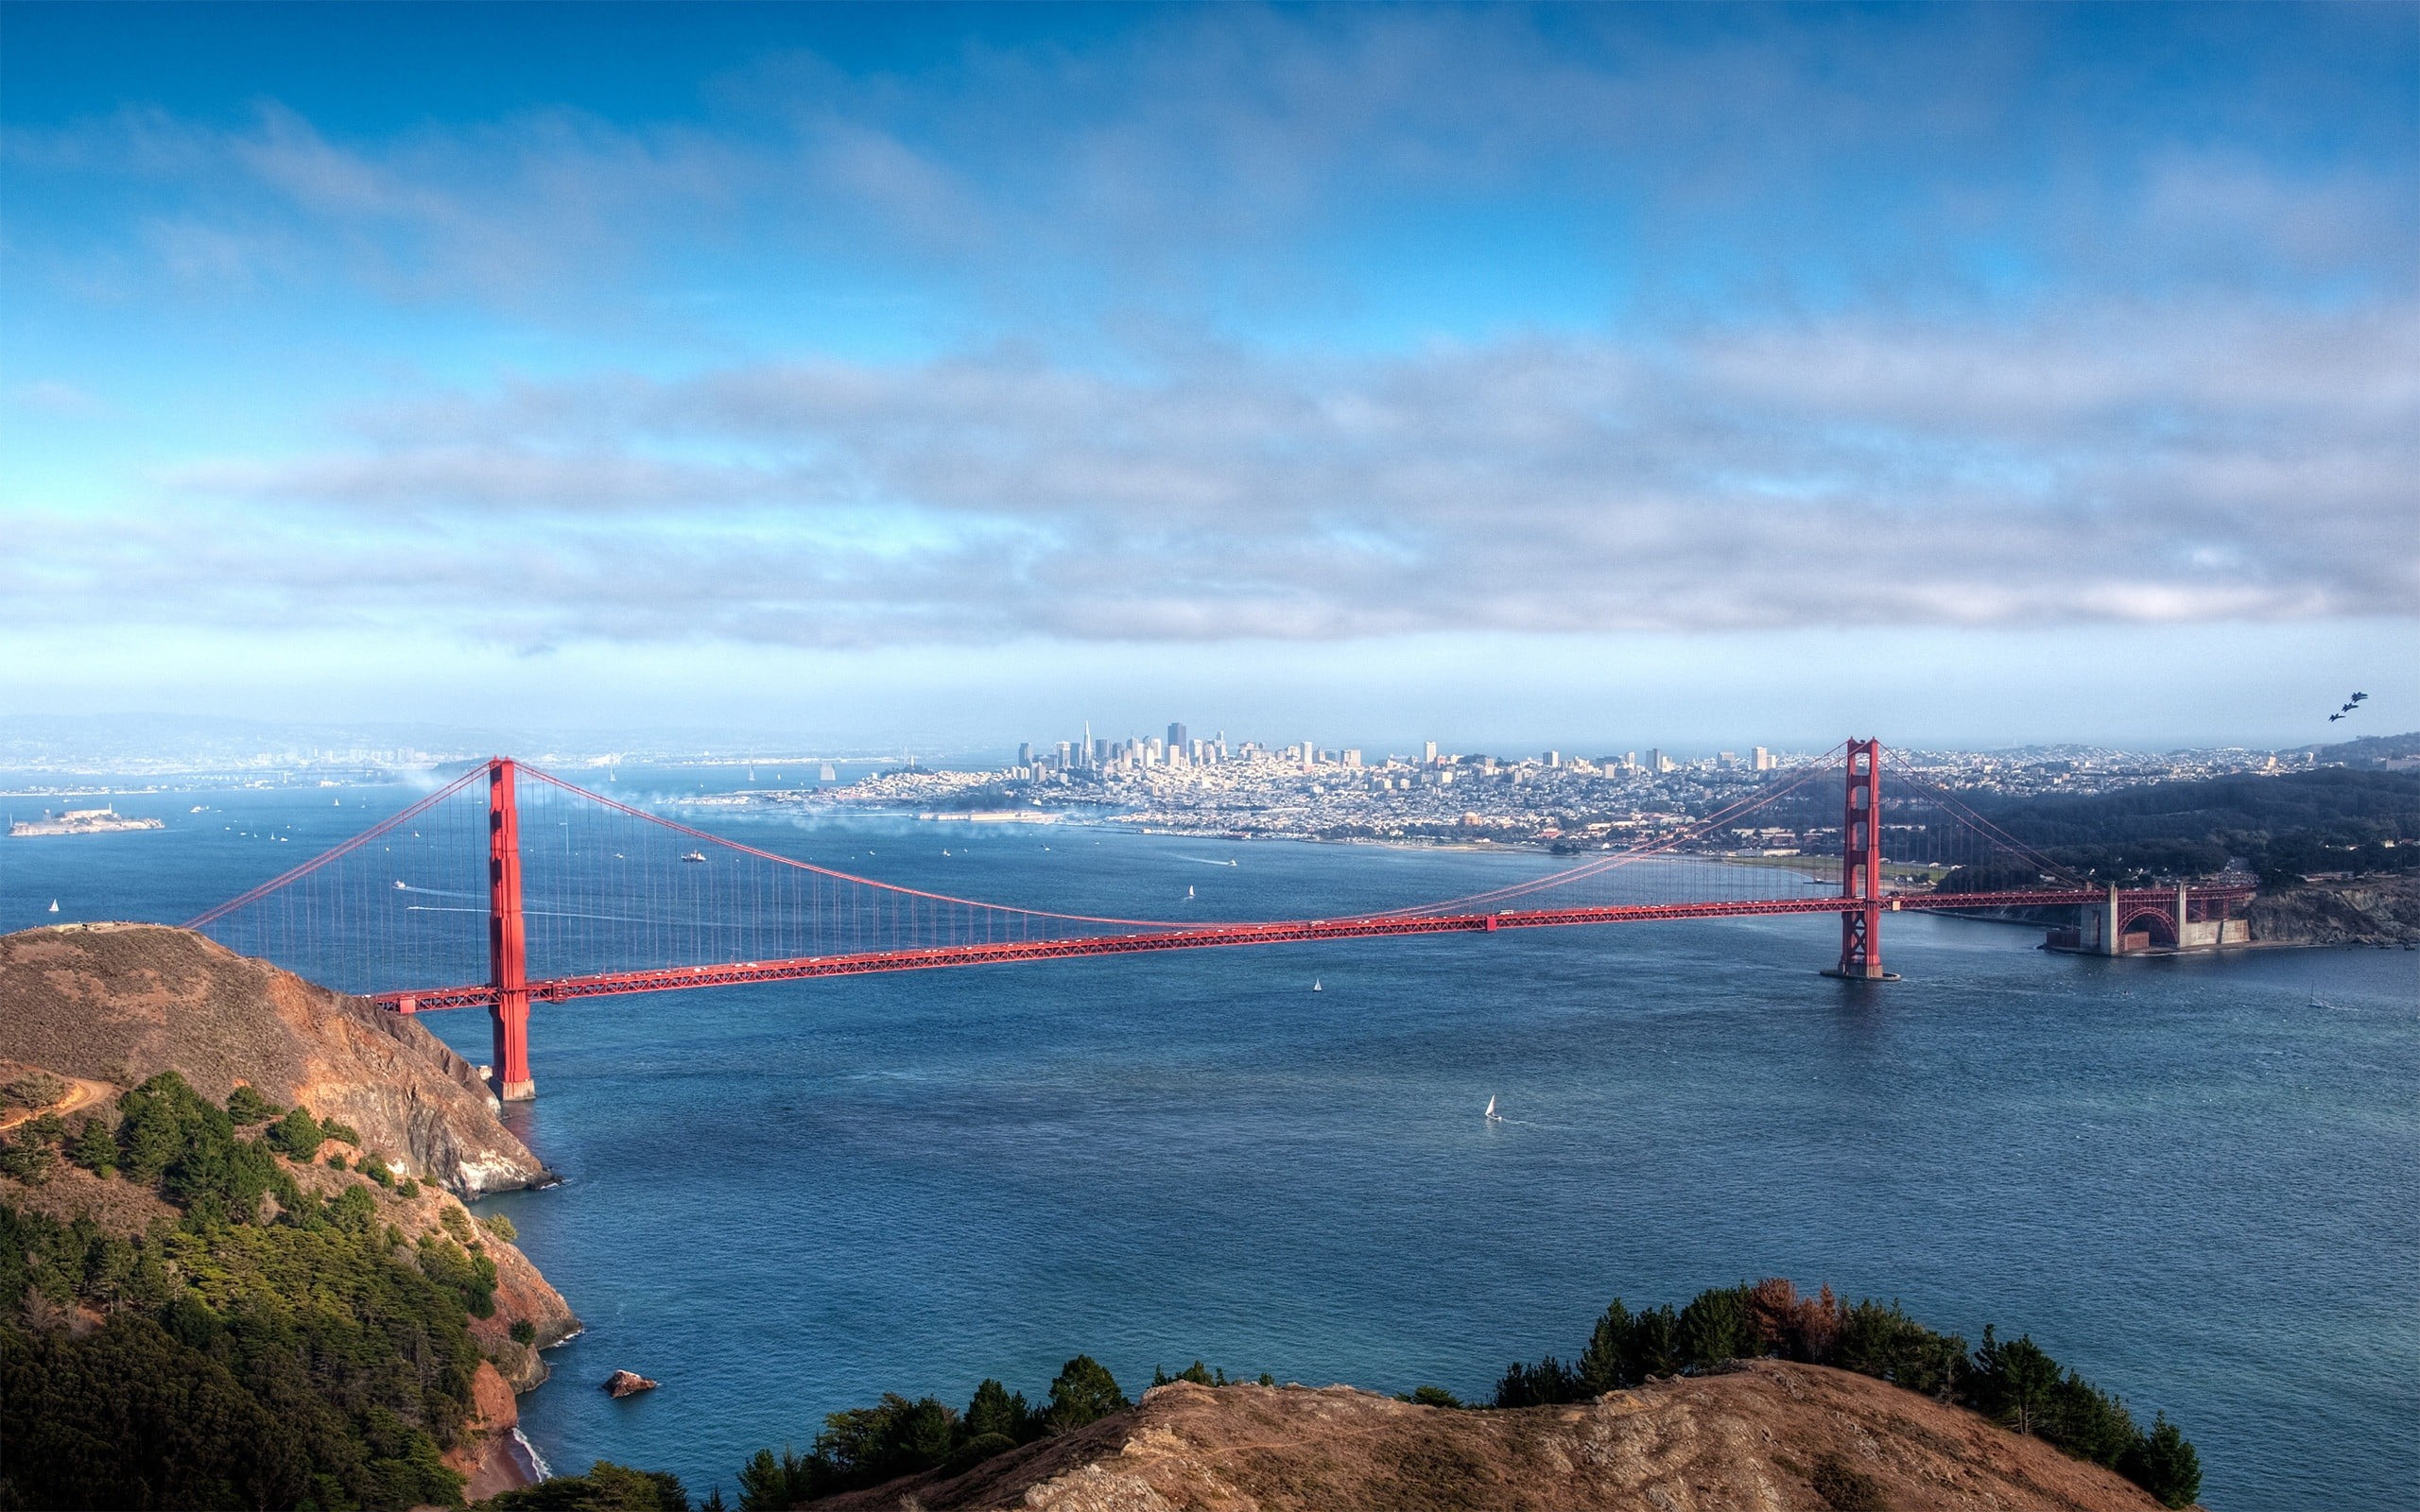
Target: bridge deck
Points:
(1282, 932)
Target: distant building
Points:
(1428, 752)
(1176, 737)
(1764, 759)
(1024, 753)
(1659, 763)
(1553, 758)
(1352, 756)
(1726, 758)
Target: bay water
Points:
(2192, 1179)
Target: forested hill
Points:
(2337, 819)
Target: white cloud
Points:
(2126, 464)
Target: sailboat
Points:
(54, 905)
(695, 856)
(1493, 1116)
(1188, 892)
(1315, 984)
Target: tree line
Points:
(265, 1348)
(2014, 1383)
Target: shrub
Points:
(1199, 1374)
(606, 1488)
(38, 1089)
(523, 1332)
(1846, 1488)
(1431, 1397)
(246, 1107)
(407, 1187)
(375, 1169)
(297, 1136)
(336, 1162)
(500, 1226)
(26, 1160)
(341, 1132)
(458, 1223)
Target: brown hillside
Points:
(1770, 1436)
(119, 1003)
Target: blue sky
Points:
(1619, 375)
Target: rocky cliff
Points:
(1770, 1436)
(2381, 911)
(119, 1003)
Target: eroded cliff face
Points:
(1771, 1435)
(2385, 911)
(122, 1003)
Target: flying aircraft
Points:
(2332, 718)
(2359, 697)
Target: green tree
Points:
(1542, 1384)
(1431, 1397)
(1082, 1392)
(2013, 1382)
(295, 1136)
(770, 1485)
(95, 1148)
(996, 1410)
(2162, 1463)
(1609, 1362)
(867, 1446)
(1718, 1325)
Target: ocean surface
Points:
(2196, 1182)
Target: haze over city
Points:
(1594, 378)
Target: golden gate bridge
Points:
(510, 885)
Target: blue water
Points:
(2182, 1177)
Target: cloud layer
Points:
(2126, 465)
(1235, 326)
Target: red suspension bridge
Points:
(546, 892)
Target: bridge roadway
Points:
(1283, 932)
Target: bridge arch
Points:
(2161, 922)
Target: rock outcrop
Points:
(628, 1384)
(1772, 1437)
(119, 1003)
(2383, 911)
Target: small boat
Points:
(54, 905)
(1315, 984)
(699, 856)
(1493, 1116)
(1188, 892)
(399, 886)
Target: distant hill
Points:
(2373, 748)
(2357, 819)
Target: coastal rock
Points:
(119, 1003)
(1770, 1435)
(2381, 911)
(628, 1384)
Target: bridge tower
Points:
(508, 945)
(1861, 866)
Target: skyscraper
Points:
(1176, 737)
(1428, 752)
